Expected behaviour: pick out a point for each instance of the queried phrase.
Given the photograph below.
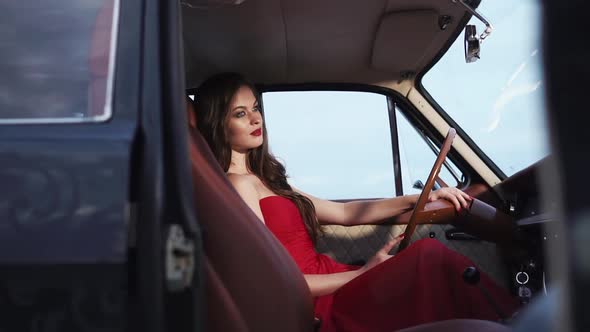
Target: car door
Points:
(65, 146)
(97, 227)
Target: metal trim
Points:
(397, 169)
(108, 107)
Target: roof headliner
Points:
(304, 41)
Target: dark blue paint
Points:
(63, 201)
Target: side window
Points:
(67, 64)
(417, 158)
(335, 145)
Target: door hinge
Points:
(180, 259)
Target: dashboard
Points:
(535, 220)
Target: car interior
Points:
(380, 46)
(101, 230)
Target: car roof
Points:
(310, 41)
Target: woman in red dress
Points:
(422, 284)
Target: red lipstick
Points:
(256, 132)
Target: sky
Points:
(498, 100)
(337, 144)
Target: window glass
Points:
(56, 64)
(498, 100)
(417, 158)
(335, 145)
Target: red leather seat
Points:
(251, 282)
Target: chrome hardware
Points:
(522, 278)
(180, 261)
(472, 41)
(512, 207)
(444, 21)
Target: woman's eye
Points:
(240, 114)
(256, 109)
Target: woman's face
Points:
(244, 121)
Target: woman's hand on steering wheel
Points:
(383, 254)
(453, 195)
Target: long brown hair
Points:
(212, 108)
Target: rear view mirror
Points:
(472, 44)
(472, 41)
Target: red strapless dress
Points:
(421, 284)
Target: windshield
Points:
(498, 100)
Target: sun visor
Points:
(405, 39)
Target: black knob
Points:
(432, 235)
(471, 275)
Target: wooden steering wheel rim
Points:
(423, 198)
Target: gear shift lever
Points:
(471, 276)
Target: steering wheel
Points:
(423, 198)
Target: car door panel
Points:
(64, 195)
(67, 200)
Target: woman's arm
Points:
(360, 212)
(372, 211)
(319, 284)
(322, 284)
